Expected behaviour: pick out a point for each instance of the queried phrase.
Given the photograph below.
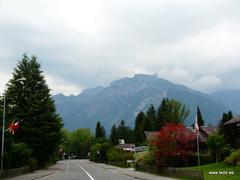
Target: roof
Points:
(201, 136)
(204, 132)
(122, 146)
(234, 120)
(150, 134)
(208, 130)
(141, 148)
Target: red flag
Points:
(13, 127)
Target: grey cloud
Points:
(164, 23)
(136, 36)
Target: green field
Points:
(219, 171)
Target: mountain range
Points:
(124, 98)
(230, 97)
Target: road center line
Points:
(85, 171)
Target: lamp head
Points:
(21, 79)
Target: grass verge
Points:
(219, 171)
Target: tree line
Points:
(153, 119)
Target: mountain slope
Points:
(124, 98)
(230, 97)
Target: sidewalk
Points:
(39, 173)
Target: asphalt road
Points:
(86, 170)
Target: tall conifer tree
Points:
(199, 117)
(228, 131)
(162, 114)
(114, 135)
(139, 136)
(31, 103)
(100, 131)
(122, 130)
(150, 118)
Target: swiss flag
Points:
(13, 127)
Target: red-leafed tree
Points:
(171, 144)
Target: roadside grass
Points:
(219, 171)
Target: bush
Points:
(119, 164)
(32, 163)
(144, 158)
(103, 151)
(99, 151)
(127, 156)
(233, 159)
(52, 160)
(226, 151)
(20, 155)
(95, 150)
(204, 159)
(118, 157)
(114, 155)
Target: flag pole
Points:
(198, 150)
(196, 127)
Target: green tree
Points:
(100, 131)
(114, 135)
(172, 111)
(199, 117)
(32, 104)
(227, 131)
(230, 116)
(215, 142)
(122, 130)
(139, 136)
(125, 132)
(162, 114)
(81, 141)
(65, 140)
(150, 118)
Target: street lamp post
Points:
(3, 121)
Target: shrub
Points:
(119, 164)
(20, 155)
(103, 151)
(95, 150)
(118, 157)
(99, 151)
(233, 159)
(114, 155)
(144, 158)
(127, 156)
(32, 163)
(204, 159)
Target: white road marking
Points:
(85, 171)
(67, 170)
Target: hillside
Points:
(230, 97)
(124, 98)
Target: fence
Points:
(14, 172)
(174, 172)
(188, 173)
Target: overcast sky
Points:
(85, 43)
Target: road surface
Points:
(86, 170)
